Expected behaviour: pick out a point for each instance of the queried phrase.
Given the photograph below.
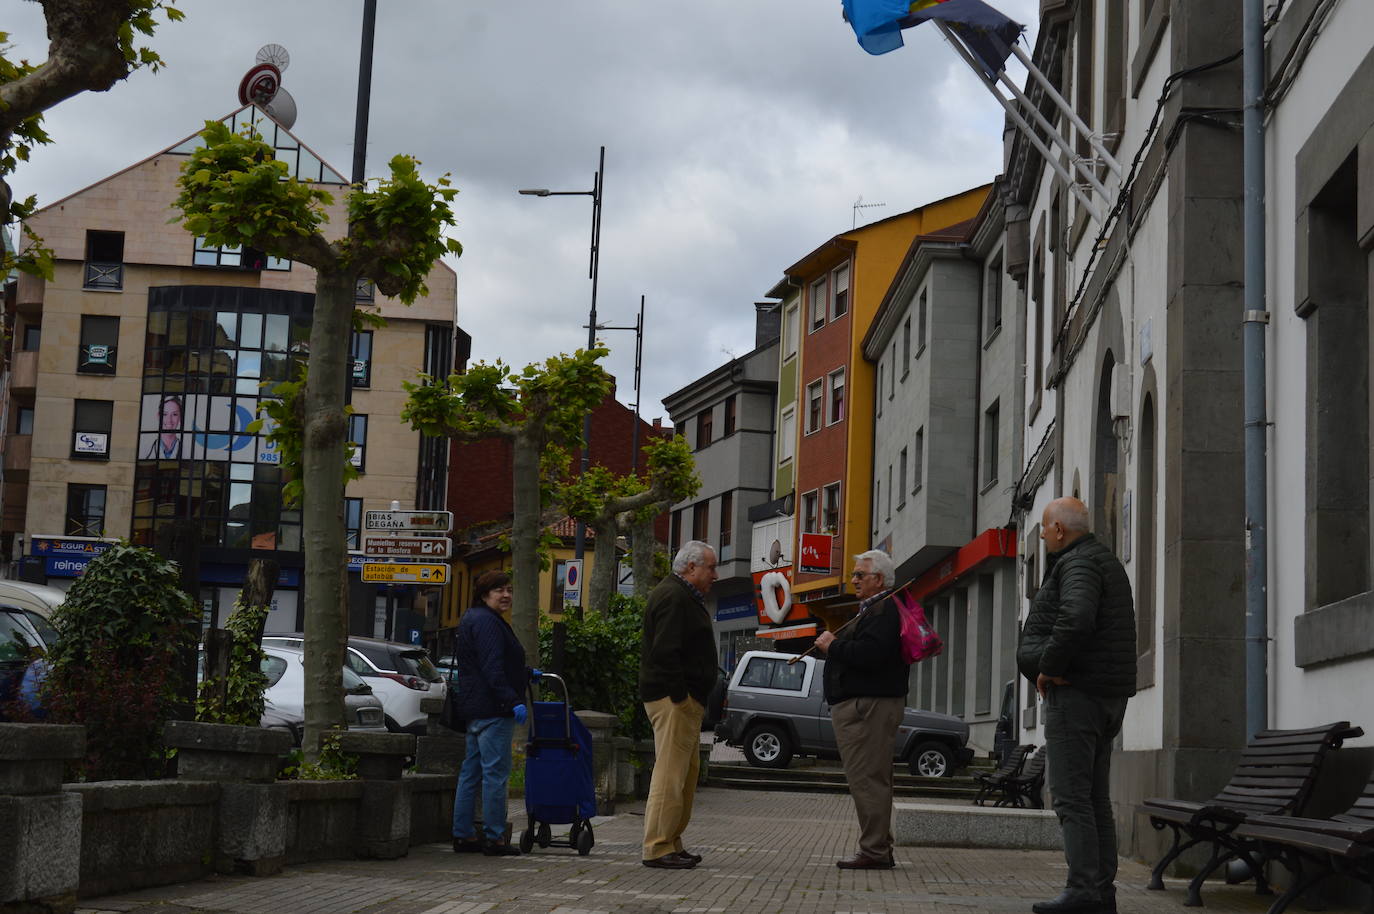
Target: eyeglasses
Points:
(861, 574)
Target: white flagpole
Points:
(1067, 109)
(1050, 158)
(1055, 136)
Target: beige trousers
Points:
(865, 730)
(673, 786)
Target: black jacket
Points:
(866, 658)
(491, 674)
(1081, 624)
(678, 655)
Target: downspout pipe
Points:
(1255, 318)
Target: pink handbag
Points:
(919, 638)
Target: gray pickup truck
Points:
(775, 711)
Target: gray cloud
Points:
(738, 136)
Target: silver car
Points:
(775, 710)
(284, 699)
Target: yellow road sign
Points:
(388, 573)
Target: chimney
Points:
(767, 322)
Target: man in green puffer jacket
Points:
(1078, 647)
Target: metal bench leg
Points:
(1220, 854)
(1157, 874)
(1302, 881)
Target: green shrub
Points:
(238, 700)
(601, 662)
(123, 633)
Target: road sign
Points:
(572, 583)
(388, 573)
(425, 547)
(408, 521)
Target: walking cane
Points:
(792, 660)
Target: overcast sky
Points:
(738, 134)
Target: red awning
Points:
(995, 542)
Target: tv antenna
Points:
(860, 204)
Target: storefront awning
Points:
(806, 630)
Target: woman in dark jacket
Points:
(490, 699)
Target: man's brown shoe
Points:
(863, 862)
(670, 862)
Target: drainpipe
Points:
(1256, 429)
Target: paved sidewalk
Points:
(764, 852)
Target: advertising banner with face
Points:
(203, 427)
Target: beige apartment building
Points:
(133, 376)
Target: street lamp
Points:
(638, 328)
(580, 538)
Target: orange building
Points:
(840, 286)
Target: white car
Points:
(284, 698)
(401, 675)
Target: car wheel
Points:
(932, 760)
(768, 746)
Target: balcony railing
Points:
(108, 277)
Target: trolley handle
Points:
(567, 704)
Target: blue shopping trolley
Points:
(559, 786)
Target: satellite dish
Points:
(274, 54)
(282, 107)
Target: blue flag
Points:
(987, 33)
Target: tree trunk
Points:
(528, 446)
(603, 577)
(258, 585)
(322, 465)
(643, 551)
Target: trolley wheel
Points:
(573, 831)
(542, 836)
(585, 841)
(526, 840)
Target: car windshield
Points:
(42, 626)
(417, 663)
(16, 638)
(771, 673)
(352, 680)
(274, 667)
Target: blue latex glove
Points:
(536, 674)
(521, 712)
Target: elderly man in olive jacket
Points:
(677, 670)
(1078, 647)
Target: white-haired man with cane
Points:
(866, 685)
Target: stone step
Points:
(949, 825)
(832, 780)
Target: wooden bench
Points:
(1027, 787)
(1274, 778)
(1313, 849)
(992, 781)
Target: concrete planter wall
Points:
(225, 812)
(142, 833)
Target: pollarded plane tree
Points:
(235, 192)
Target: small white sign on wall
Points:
(1126, 527)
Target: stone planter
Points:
(225, 752)
(40, 825)
(383, 824)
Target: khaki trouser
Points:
(865, 730)
(677, 760)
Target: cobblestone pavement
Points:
(764, 852)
